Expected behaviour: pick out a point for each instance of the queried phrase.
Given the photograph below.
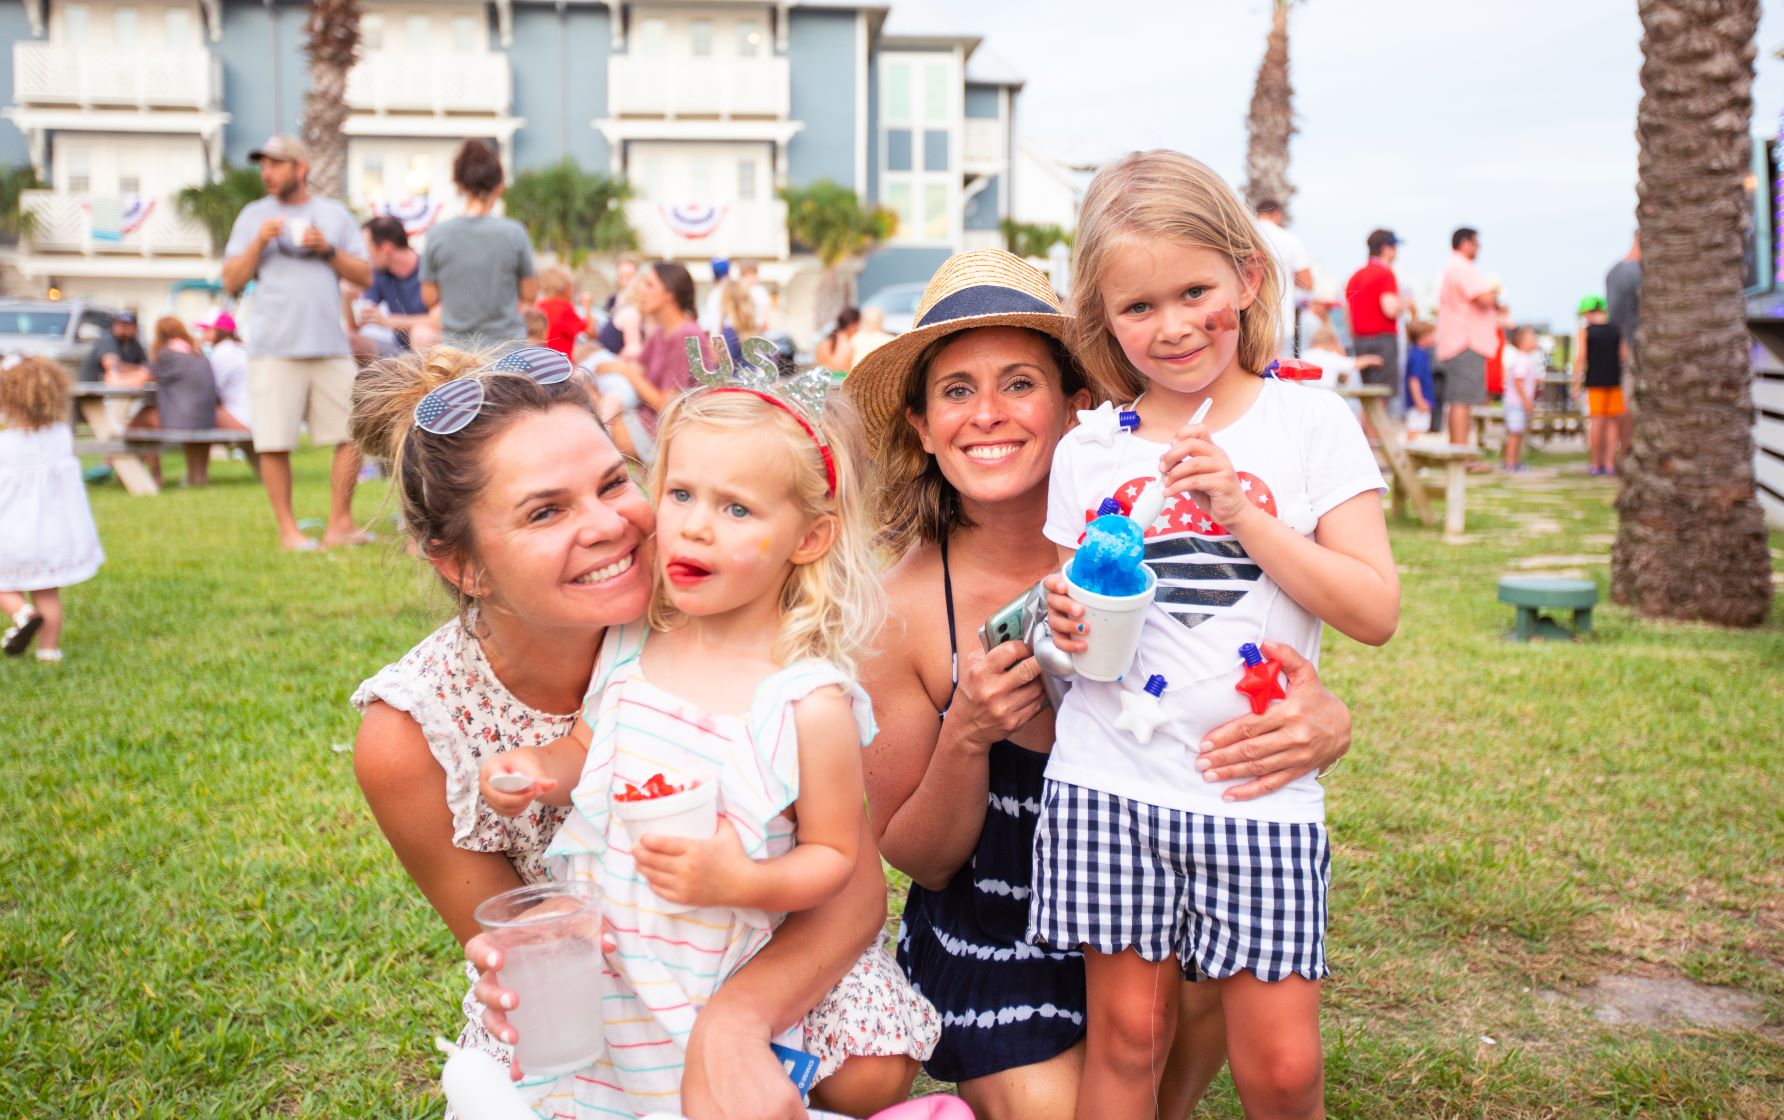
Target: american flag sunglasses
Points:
(455, 404)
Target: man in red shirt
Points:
(1372, 296)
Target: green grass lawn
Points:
(198, 917)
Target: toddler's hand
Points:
(512, 803)
(1195, 465)
(1065, 617)
(694, 872)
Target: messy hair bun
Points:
(436, 479)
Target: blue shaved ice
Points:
(1110, 561)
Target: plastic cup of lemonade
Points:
(1115, 622)
(692, 812)
(550, 937)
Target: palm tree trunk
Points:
(1691, 542)
(1272, 119)
(333, 47)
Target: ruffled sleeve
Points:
(475, 825)
(756, 795)
(465, 716)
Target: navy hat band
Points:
(985, 299)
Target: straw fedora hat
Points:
(983, 288)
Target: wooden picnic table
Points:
(1374, 399)
(125, 447)
(90, 398)
(1454, 458)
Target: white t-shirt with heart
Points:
(1299, 453)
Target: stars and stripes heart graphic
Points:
(1200, 567)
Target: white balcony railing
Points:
(698, 87)
(458, 84)
(737, 229)
(95, 224)
(985, 142)
(52, 74)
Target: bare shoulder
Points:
(913, 589)
(390, 753)
(826, 705)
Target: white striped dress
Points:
(671, 959)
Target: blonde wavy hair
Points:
(33, 393)
(1164, 195)
(831, 606)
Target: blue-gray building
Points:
(707, 108)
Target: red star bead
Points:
(1262, 683)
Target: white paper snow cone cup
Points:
(692, 813)
(1115, 622)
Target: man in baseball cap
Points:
(298, 247)
(281, 148)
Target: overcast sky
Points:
(1513, 116)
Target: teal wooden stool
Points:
(1531, 594)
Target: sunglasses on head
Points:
(455, 404)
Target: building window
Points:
(371, 176)
(936, 102)
(420, 33)
(79, 163)
(179, 27)
(749, 38)
(653, 37)
(371, 31)
(651, 173)
(124, 28)
(74, 24)
(467, 36)
(746, 180)
(935, 212)
(920, 110)
(129, 183)
(898, 149)
(900, 200)
(420, 181)
(935, 150)
(898, 91)
(700, 38)
(699, 180)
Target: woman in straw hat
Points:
(964, 412)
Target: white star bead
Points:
(1146, 507)
(1101, 424)
(1299, 516)
(1141, 713)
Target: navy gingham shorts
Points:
(1221, 894)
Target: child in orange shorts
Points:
(1598, 366)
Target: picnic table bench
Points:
(1546, 423)
(1454, 459)
(1374, 400)
(126, 446)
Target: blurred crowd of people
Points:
(1443, 362)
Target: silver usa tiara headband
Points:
(760, 371)
(801, 396)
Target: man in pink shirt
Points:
(1467, 334)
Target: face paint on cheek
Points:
(1222, 319)
(764, 545)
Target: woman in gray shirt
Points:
(478, 268)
